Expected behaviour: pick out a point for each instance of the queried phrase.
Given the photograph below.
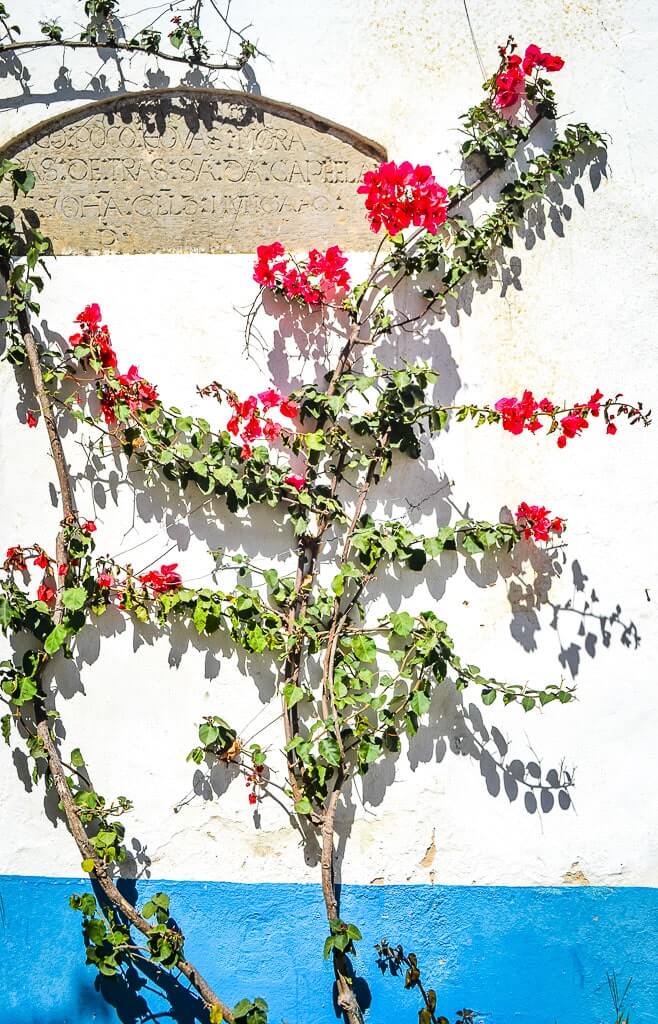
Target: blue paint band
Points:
(519, 955)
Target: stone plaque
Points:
(190, 170)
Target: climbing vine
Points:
(352, 684)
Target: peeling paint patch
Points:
(575, 876)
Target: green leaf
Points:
(208, 733)
(77, 760)
(5, 722)
(488, 696)
(303, 806)
(87, 865)
(292, 694)
(420, 702)
(528, 703)
(55, 639)
(74, 598)
(224, 475)
(5, 613)
(364, 648)
(330, 751)
(402, 623)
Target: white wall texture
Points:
(579, 314)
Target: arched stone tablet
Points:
(195, 170)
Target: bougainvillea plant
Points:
(351, 684)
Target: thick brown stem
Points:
(65, 490)
(101, 873)
(347, 1000)
(55, 766)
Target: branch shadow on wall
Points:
(114, 66)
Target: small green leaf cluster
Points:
(165, 943)
(341, 937)
(189, 35)
(395, 960)
(247, 1012)
(51, 29)
(148, 39)
(217, 739)
(22, 249)
(466, 248)
(375, 542)
(490, 137)
(107, 939)
(106, 836)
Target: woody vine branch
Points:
(352, 686)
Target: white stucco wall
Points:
(580, 314)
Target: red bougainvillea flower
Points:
(88, 527)
(520, 414)
(289, 409)
(16, 559)
(611, 428)
(534, 58)
(94, 336)
(269, 399)
(31, 419)
(136, 392)
(114, 389)
(253, 799)
(510, 80)
(163, 579)
(90, 316)
(571, 427)
(271, 430)
(42, 560)
(398, 195)
(316, 280)
(45, 593)
(105, 580)
(62, 569)
(252, 429)
(510, 83)
(536, 524)
(250, 421)
(296, 481)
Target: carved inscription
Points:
(196, 172)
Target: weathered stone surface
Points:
(195, 171)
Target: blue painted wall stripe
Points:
(521, 955)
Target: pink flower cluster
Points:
(398, 195)
(250, 420)
(510, 82)
(519, 414)
(94, 335)
(535, 523)
(113, 388)
(316, 280)
(163, 579)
